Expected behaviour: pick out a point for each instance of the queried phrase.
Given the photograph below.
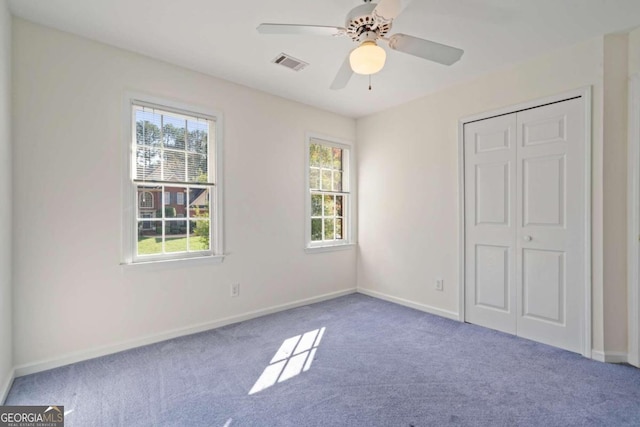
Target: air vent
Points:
(289, 62)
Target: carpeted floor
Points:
(373, 364)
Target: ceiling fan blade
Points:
(388, 10)
(343, 76)
(432, 51)
(312, 30)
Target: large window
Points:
(328, 202)
(172, 154)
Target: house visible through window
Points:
(328, 166)
(173, 177)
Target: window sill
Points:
(171, 263)
(329, 248)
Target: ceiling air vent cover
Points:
(289, 62)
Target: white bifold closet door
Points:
(525, 223)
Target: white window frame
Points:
(130, 199)
(349, 187)
(180, 198)
(166, 198)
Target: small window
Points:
(328, 202)
(173, 159)
(146, 200)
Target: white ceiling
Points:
(220, 38)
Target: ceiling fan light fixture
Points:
(368, 58)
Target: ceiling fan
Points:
(366, 24)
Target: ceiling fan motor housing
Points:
(361, 23)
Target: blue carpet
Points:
(373, 364)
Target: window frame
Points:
(349, 207)
(215, 254)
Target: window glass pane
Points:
(326, 157)
(316, 205)
(314, 178)
(197, 136)
(174, 166)
(337, 181)
(149, 200)
(328, 229)
(175, 239)
(314, 155)
(339, 203)
(199, 235)
(339, 228)
(173, 208)
(173, 132)
(316, 229)
(148, 128)
(148, 163)
(149, 237)
(175, 227)
(198, 169)
(329, 205)
(337, 158)
(326, 180)
(198, 203)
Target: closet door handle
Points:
(528, 238)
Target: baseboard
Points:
(6, 386)
(67, 359)
(609, 356)
(422, 307)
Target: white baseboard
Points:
(418, 306)
(75, 357)
(609, 356)
(6, 386)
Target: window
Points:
(173, 158)
(328, 200)
(146, 200)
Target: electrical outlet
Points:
(439, 284)
(235, 290)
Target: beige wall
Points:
(6, 340)
(71, 294)
(408, 176)
(615, 194)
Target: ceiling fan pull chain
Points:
(369, 81)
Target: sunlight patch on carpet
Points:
(294, 356)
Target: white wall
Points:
(408, 176)
(6, 339)
(71, 295)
